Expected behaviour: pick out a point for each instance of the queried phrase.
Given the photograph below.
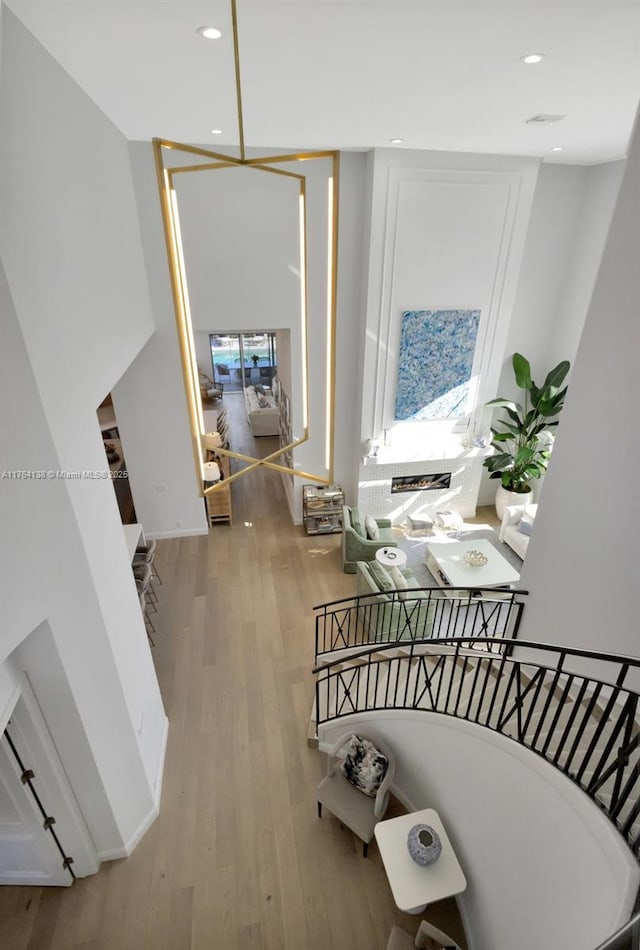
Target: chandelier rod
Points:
(236, 58)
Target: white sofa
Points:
(516, 527)
(263, 414)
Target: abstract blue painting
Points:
(435, 362)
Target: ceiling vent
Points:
(543, 118)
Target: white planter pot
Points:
(504, 498)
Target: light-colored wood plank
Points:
(237, 857)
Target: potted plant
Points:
(523, 443)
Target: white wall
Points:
(582, 561)
(53, 626)
(544, 867)
(569, 222)
(76, 312)
(203, 352)
(240, 233)
(447, 232)
(149, 399)
(248, 295)
(352, 244)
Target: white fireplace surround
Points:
(465, 465)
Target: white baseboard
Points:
(113, 854)
(296, 517)
(178, 533)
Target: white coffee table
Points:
(391, 557)
(445, 560)
(414, 886)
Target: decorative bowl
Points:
(475, 558)
(424, 845)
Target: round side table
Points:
(391, 557)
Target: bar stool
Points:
(146, 552)
(142, 575)
(147, 619)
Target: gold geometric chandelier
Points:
(167, 171)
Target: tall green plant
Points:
(523, 443)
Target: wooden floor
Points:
(237, 859)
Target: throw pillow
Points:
(259, 388)
(371, 527)
(398, 578)
(357, 523)
(364, 765)
(381, 576)
(263, 403)
(525, 526)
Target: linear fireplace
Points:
(430, 482)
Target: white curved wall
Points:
(544, 867)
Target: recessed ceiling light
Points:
(557, 148)
(396, 141)
(216, 131)
(209, 32)
(531, 58)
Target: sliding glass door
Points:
(243, 359)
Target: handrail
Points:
(432, 590)
(584, 725)
(403, 615)
(622, 659)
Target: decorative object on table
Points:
(435, 363)
(211, 472)
(424, 845)
(523, 446)
(475, 558)
(369, 449)
(212, 440)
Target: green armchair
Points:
(356, 546)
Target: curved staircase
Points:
(575, 709)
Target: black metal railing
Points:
(583, 724)
(418, 614)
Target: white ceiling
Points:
(441, 74)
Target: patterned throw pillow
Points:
(364, 765)
(371, 527)
(263, 403)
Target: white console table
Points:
(414, 886)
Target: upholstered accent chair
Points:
(359, 811)
(357, 543)
(208, 390)
(388, 616)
